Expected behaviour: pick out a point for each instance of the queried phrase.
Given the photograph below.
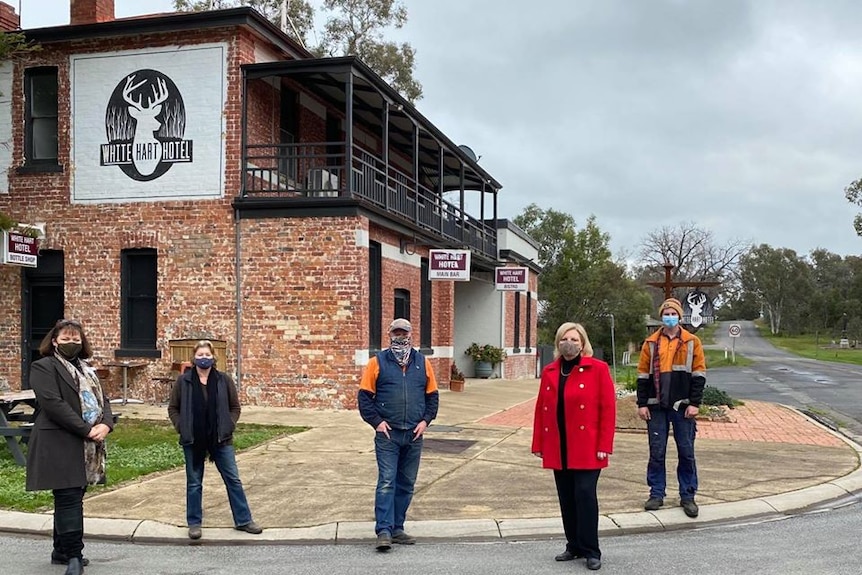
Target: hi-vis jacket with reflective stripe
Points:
(682, 374)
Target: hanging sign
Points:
(449, 265)
(20, 250)
(697, 309)
(512, 279)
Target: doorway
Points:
(42, 305)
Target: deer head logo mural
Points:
(699, 308)
(145, 122)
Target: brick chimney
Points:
(91, 11)
(9, 20)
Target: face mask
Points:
(569, 348)
(69, 350)
(400, 347)
(670, 321)
(204, 362)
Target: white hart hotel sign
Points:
(149, 124)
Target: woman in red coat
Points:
(573, 433)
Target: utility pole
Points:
(668, 284)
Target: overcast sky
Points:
(744, 116)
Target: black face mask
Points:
(69, 350)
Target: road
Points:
(833, 390)
(823, 543)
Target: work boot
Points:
(402, 538)
(74, 567)
(653, 503)
(195, 532)
(250, 527)
(690, 508)
(384, 541)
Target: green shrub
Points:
(715, 396)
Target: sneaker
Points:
(250, 527)
(402, 538)
(653, 503)
(384, 541)
(195, 532)
(690, 507)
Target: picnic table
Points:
(15, 435)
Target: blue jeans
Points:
(397, 468)
(683, 435)
(225, 461)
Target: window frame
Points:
(132, 343)
(31, 163)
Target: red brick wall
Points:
(304, 306)
(91, 11)
(194, 239)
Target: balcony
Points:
(380, 155)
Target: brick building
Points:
(201, 175)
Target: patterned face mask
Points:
(400, 347)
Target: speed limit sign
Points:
(734, 330)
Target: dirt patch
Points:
(627, 415)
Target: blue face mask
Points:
(204, 362)
(670, 321)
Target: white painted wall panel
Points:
(149, 124)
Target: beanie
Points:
(671, 303)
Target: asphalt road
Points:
(830, 391)
(824, 543)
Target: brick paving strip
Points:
(754, 421)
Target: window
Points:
(517, 347)
(40, 117)
(375, 290)
(139, 271)
(402, 304)
(425, 309)
(529, 321)
(289, 123)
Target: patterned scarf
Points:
(90, 393)
(400, 348)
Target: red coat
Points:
(591, 411)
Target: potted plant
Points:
(456, 379)
(485, 358)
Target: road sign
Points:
(734, 330)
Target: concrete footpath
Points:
(478, 480)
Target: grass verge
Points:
(813, 346)
(136, 447)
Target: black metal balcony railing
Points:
(317, 170)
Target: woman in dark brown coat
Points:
(67, 446)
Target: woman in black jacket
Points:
(67, 447)
(204, 409)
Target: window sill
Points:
(133, 352)
(47, 168)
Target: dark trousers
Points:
(69, 522)
(579, 506)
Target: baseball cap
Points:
(400, 323)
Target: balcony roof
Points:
(327, 79)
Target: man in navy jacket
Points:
(397, 397)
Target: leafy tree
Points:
(353, 27)
(357, 28)
(300, 12)
(580, 282)
(781, 280)
(853, 193)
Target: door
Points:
(43, 304)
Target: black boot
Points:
(74, 567)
